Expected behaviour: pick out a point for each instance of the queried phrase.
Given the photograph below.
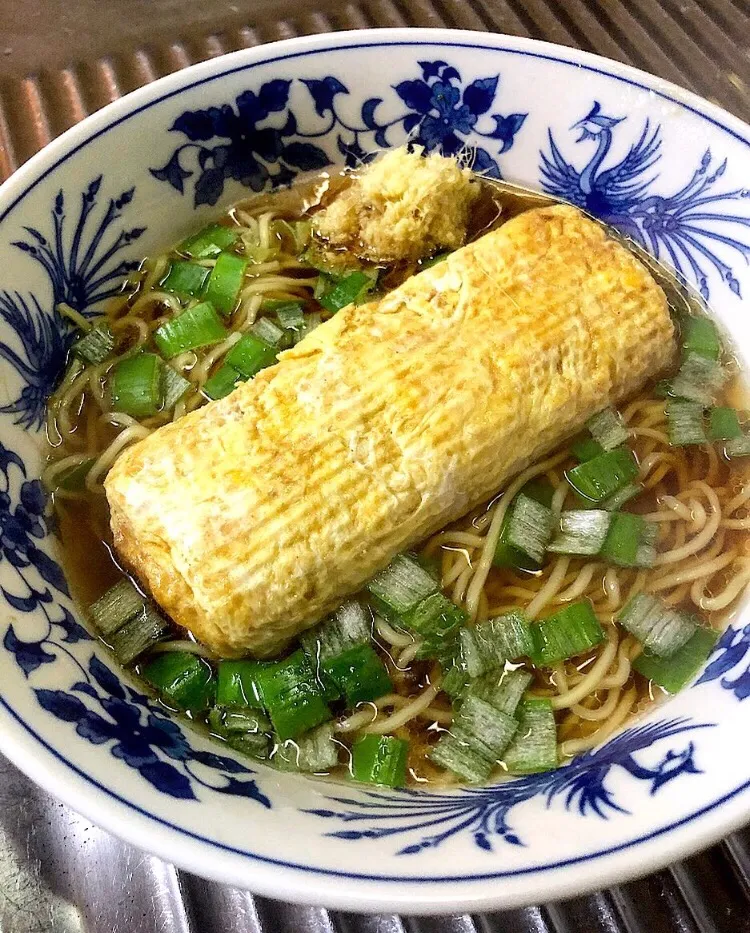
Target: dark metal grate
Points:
(60, 61)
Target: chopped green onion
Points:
(292, 696)
(315, 752)
(223, 381)
(618, 499)
(209, 242)
(183, 678)
(662, 388)
(630, 540)
(193, 328)
(698, 379)
(483, 726)
(350, 625)
(225, 282)
(582, 532)
(359, 674)
(673, 673)
(229, 721)
(455, 754)
(660, 629)
(571, 631)
(96, 346)
(434, 260)
(586, 448)
(270, 333)
(540, 490)
(116, 607)
(351, 289)
(249, 355)
(312, 320)
(608, 430)
(525, 533)
(136, 385)
(455, 677)
(380, 759)
(534, 746)
(502, 690)
(700, 337)
(436, 618)
(174, 386)
(488, 645)
(254, 744)
(601, 477)
(290, 315)
(73, 479)
(185, 279)
(238, 684)
(685, 423)
(738, 447)
(399, 588)
(724, 424)
(140, 633)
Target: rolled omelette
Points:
(251, 518)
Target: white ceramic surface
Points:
(657, 161)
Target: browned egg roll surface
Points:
(252, 517)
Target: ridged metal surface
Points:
(61, 60)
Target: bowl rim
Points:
(279, 878)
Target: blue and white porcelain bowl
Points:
(656, 161)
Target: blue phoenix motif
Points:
(684, 228)
(430, 819)
(84, 269)
(728, 663)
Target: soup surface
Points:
(691, 500)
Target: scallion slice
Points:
(618, 499)
(223, 381)
(193, 328)
(586, 448)
(629, 541)
(350, 625)
(582, 532)
(488, 645)
(351, 289)
(673, 673)
(73, 479)
(96, 345)
(238, 684)
(290, 315)
(315, 752)
(182, 678)
(139, 634)
(359, 674)
(608, 430)
(526, 530)
(660, 629)
(209, 242)
(699, 379)
(312, 320)
(484, 727)
(685, 423)
(249, 355)
(738, 447)
(174, 386)
(136, 385)
(700, 337)
(567, 633)
(236, 721)
(723, 424)
(502, 690)
(399, 588)
(185, 279)
(534, 746)
(254, 744)
(601, 477)
(436, 619)
(380, 759)
(292, 695)
(225, 282)
(270, 333)
(455, 754)
(117, 606)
